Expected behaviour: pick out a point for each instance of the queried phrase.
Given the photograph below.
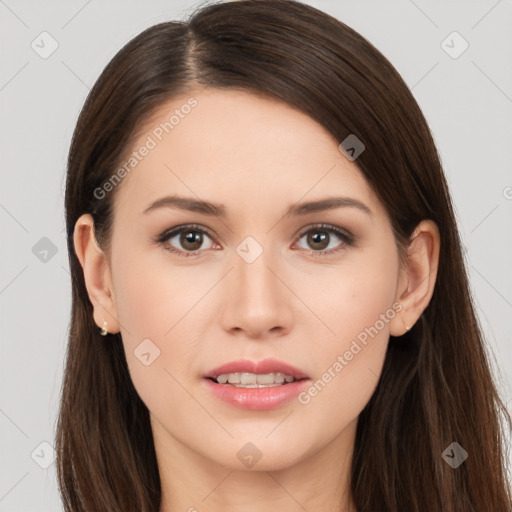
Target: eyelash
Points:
(347, 238)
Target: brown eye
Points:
(191, 240)
(318, 239)
(321, 239)
(185, 240)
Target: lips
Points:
(260, 397)
(256, 399)
(261, 367)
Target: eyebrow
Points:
(219, 210)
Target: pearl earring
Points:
(103, 330)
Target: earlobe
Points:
(417, 279)
(97, 275)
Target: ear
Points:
(97, 274)
(417, 279)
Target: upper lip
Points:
(260, 367)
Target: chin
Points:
(263, 455)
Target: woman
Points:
(270, 306)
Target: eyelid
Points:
(340, 232)
(169, 233)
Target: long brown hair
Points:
(436, 386)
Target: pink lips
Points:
(256, 398)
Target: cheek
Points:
(158, 306)
(153, 295)
(356, 309)
(142, 300)
(351, 297)
(348, 368)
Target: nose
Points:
(258, 303)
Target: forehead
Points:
(229, 145)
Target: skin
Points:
(256, 156)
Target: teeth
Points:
(252, 380)
(268, 378)
(248, 378)
(234, 378)
(222, 379)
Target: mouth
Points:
(253, 380)
(249, 374)
(266, 385)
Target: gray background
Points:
(467, 101)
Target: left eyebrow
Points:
(219, 210)
(327, 204)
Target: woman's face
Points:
(256, 279)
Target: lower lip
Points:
(257, 399)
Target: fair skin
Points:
(257, 157)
